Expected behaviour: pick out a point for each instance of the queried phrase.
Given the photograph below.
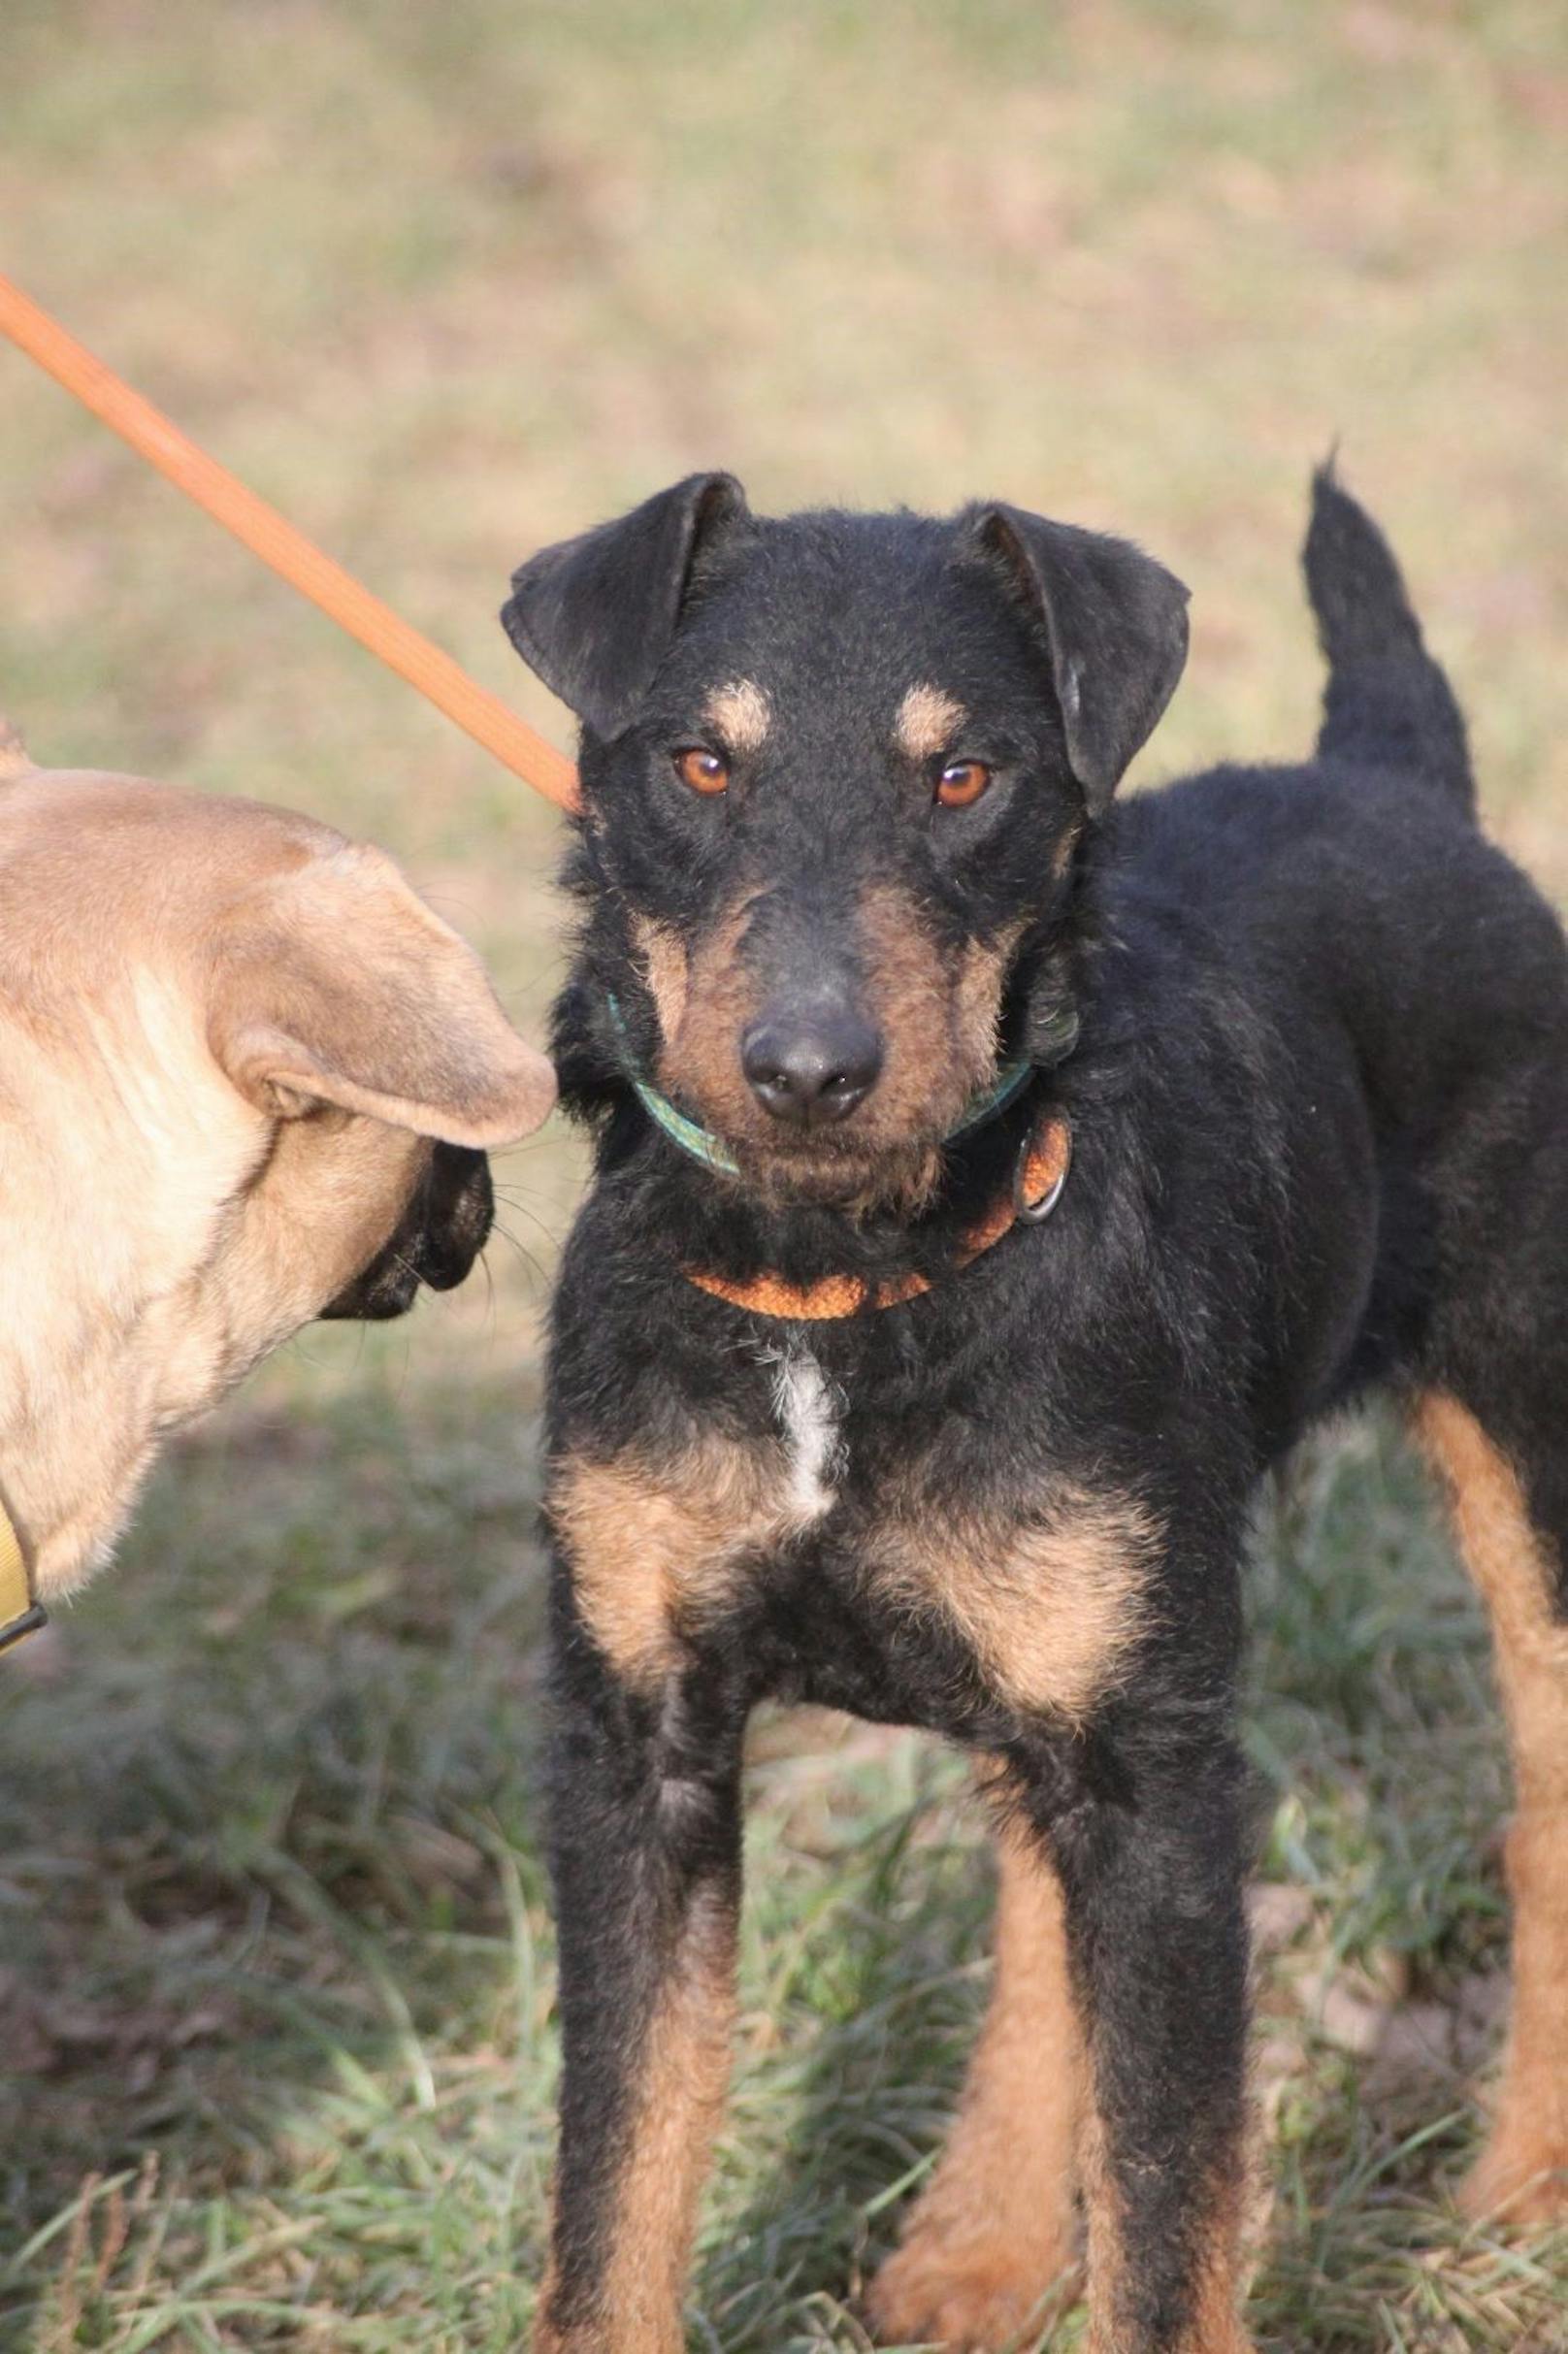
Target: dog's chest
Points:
(1045, 1587)
(808, 1408)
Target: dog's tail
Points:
(1386, 705)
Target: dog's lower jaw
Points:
(74, 1462)
(899, 1183)
(78, 1547)
(87, 1403)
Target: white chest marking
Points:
(808, 1406)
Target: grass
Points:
(274, 1953)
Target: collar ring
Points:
(1034, 1212)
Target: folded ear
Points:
(336, 984)
(594, 616)
(1115, 623)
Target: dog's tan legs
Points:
(646, 1861)
(995, 2228)
(1522, 2172)
(1088, 2055)
(1213, 2323)
(1153, 1880)
(617, 2275)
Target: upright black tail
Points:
(1386, 705)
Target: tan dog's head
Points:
(247, 1078)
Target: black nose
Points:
(810, 1068)
(458, 1212)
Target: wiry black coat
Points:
(1319, 1108)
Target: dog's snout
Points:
(460, 1209)
(443, 1230)
(812, 1067)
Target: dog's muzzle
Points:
(442, 1233)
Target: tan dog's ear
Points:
(336, 985)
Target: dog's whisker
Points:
(549, 1232)
(503, 1234)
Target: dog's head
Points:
(363, 1033)
(834, 770)
(247, 1078)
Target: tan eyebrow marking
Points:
(928, 721)
(740, 714)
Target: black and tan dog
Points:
(991, 1186)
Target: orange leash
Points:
(267, 535)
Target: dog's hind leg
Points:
(994, 2229)
(1511, 1515)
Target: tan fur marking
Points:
(701, 1067)
(1061, 855)
(1215, 2325)
(928, 721)
(739, 715)
(994, 2229)
(1523, 2169)
(937, 1014)
(702, 1059)
(1051, 1612)
(938, 1022)
(982, 976)
(652, 1548)
(1105, 2249)
(911, 996)
(664, 966)
(678, 2109)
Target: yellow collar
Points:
(19, 1614)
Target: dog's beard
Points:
(860, 1179)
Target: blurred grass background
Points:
(449, 281)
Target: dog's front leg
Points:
(647, 1861)
(1152, 1872)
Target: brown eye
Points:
(962, 782)
(703, 771)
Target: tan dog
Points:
(247, 1078)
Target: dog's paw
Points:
(969, 2296)
(1519, 2179)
